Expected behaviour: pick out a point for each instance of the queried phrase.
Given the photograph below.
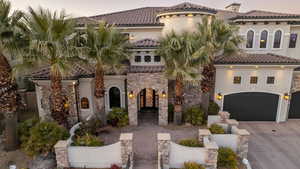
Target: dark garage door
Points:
(252, 106)
(294, 112)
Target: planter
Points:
(213, 119)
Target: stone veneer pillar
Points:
(163, 147)
(126, 140)
(243, 141)
(61, 152)
(212, 149)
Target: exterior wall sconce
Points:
(131, 95)
(190, 15)
(286, 96)
(219, 96)
(164, 95)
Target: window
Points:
(237, 80)
(270, 80)
(263, 39)
(137, 58)
(253, 79)
(114, 97)
(293, 40)
(157, 58)
(250, 38)
(84, 103)
(277, 39)
(147, 58)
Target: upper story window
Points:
(277, 39)
(253, 80)
(237, 80)
(250, 39)
(84, 103)
(147, 58)
(263, 39)
(137, 58)
(293, 40)
(270, 80)
(157, 58)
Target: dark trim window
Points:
(270, 80)
(253, 79)
(250, 39)
(84, 103)
(237, 80)
(293, 40)
(277, 39)
(157, 58)
(263, 39)
(147, 58)
(137, 58)
(114, 97)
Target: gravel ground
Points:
(18, 157)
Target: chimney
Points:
(234, 7)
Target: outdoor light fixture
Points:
(164, 95)
(286, 96)
(130, 95)
(190, 15)
(219, 96)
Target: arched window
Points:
(277, 39)
(114, 97)
(84, 103)
(250, 39)
(264, 39)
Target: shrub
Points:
(194, 116)
(25, 127)
(87, 140)
(191, 143)
(192, 165)
(227, 158)
(118, 117)
(213, 108)
(114, 166)
(216, 129)
(43, 137)
(90, 127)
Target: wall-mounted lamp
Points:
(74, 83)
(164, 94)
(286, 96)
(131, 95)
(219, 96)
(190, 15)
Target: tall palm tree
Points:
(214, 38)
(181, 64)
(106, 49)
(53, 42)
(10, 29)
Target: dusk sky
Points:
(95, 7)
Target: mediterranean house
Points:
(261, 84)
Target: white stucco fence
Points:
(226, 140)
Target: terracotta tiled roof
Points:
(76, 71)
(146, 69)
(186, 6)
(263, 59)
(141, 16)
(146, 43)
(259, 14)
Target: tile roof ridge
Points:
(118, 12)
(270, 12)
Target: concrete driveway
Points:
(274, 146)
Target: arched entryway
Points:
(147, 105)
(114, 97)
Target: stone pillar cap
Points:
(204, 132)
(126, 136)
(163, 136)
(61, 144)
(211, 145)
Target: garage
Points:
(252, 106)
(294, 112)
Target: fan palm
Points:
(182, 64)
(52, 43)
(10, 29)
(214, 38)
(107, 48)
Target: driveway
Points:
(274, 146)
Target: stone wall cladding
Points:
(61, 153)
(126, 140)
(139, 81)
(163, 147)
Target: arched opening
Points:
(114, 97)
(147, 105)
(277, 39)
(84, 103)
(250, 39)
(264, 39)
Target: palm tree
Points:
(53, 42)
(214, 38)
(181, 64)
(10, 29)
(107, 48)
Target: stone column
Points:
(126, 140)
(243, 141)
(61, 152)
(163, 110)
(212, 155)
(164, 145)
(202, 134)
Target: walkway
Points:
(274, 146)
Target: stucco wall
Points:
(86, 90)
(283, 81)
(295, 52)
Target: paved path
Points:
(274, 146)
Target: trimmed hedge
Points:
(190, 143)
(194, 116)
(118, 117)
(216, 129)
(227, 158)
(192, 165)
(213, 108)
